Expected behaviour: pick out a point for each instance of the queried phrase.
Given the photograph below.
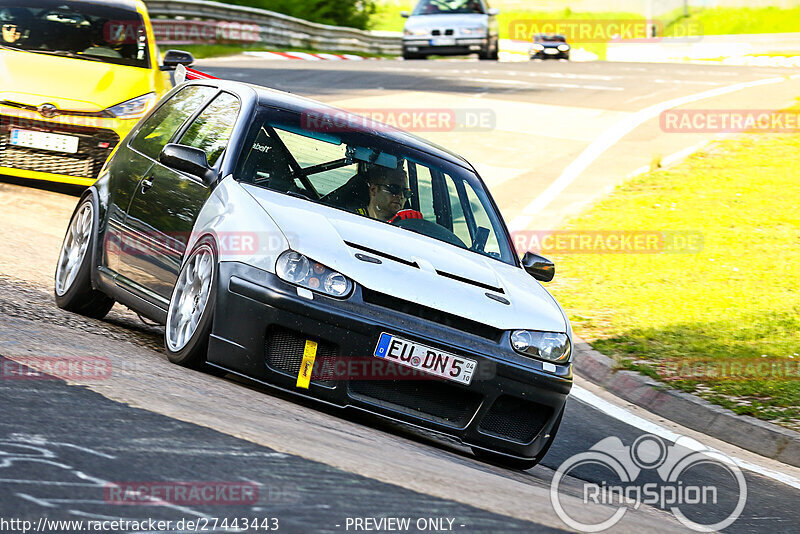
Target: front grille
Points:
(284, 353)
(433, 400)
(430, 314)
(94, 146)
(515, 419)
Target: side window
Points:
(159, 128)
(212, 129)
(425, 188)
(491, 246)
(460, 227)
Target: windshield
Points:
(368, 175)
(83, 30)
(438, 7)
(541, 38)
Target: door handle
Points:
(147, 183)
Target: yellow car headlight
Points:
(134, 108)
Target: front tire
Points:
(191, 307)
(73, 278)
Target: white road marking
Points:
(45, 482)
(35, 500)
(612, 136)
(538, 84)
(593, 401)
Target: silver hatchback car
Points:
(451, 28)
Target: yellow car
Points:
(75, 77)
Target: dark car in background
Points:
(549, 47)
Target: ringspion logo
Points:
(703, 489)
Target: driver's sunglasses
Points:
(396, 189)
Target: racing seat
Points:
(351, 196)
(267, 165)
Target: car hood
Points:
(74, 84)
(425, 271)
(456, 20)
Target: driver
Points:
(15, 23)
(388, 191)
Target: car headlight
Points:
(409, 33)
(300, 270)
(563, 47)
(537, 47)
(548, 346)
(479, 30)
(133, 108)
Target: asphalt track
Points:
(62, 443)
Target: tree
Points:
(352, 13)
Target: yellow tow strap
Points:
(307, 366)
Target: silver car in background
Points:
(451, 28)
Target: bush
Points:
(352, 13)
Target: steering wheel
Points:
(430, 229)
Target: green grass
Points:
(221, 50)
(726, 20)
(735, 302)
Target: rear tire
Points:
(73, 278)
(191, 307)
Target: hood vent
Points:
(382, 254)
(430, 314)
(468, 281)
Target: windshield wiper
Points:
(7, 47)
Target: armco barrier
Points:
(199, 21)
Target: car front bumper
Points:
(460, 46)
(550, 53)
(97, 138)
(261, 325)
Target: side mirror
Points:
(493, 12)
(173, 58)
(187, 159)
(538, 267)
(404, 14)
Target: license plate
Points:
(426, 359)
(443, 41)
(44, 141)
(551, 51)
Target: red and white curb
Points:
(283, 56)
